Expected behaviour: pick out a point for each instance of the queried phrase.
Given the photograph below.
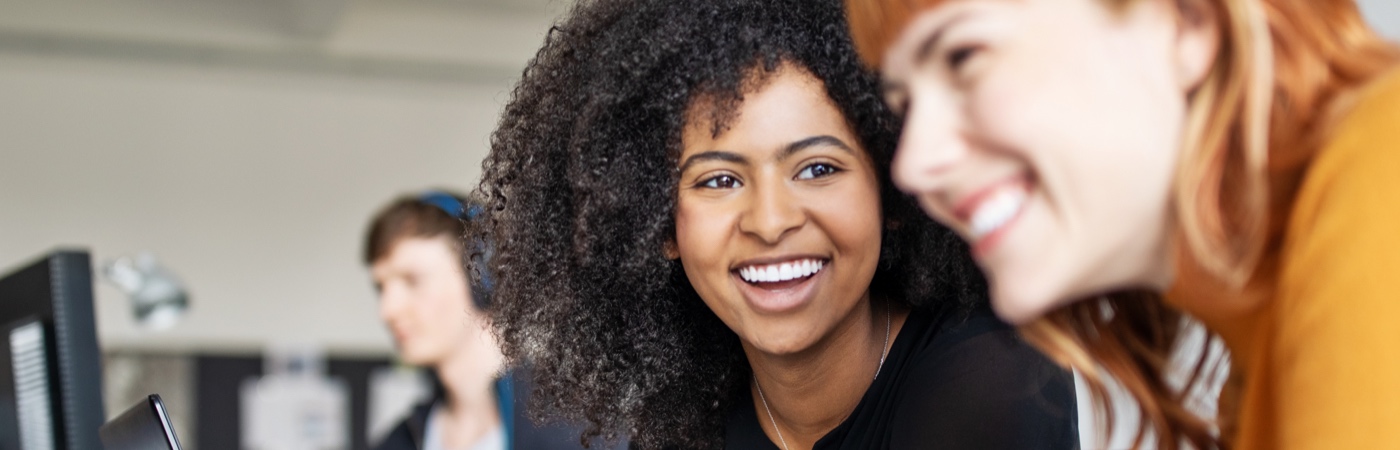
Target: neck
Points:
(469, 405)
(811, 392)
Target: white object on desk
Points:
(295, 406)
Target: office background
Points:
(245, 144)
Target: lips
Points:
(990, 212)
(780, 286)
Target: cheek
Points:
(441, 311)
(852, 218)
(1095, 122)
(1028, 97)
(702, 232)
(690, 226)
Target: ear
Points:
(670, 251)
(1197, 42)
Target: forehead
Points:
(875, 24)
(417, 253)
(904, 49)
(790, 104)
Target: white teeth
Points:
(780, 272)
(996, 211)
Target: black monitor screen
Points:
(50, 368)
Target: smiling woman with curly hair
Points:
(698, 246)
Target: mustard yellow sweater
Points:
(1317, 363)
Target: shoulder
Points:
(513, 392)
(981, 352)
(940, 341)
(553, 436)
(977, 383)
(407, 434)
(1334, 336)
(1345, 211)
(398, 439)
(741, 430)
(1368, 112)
(1362, 148)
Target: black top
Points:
(948, 383)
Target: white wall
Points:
(254, 183)
(1384, 15)
(255, 187)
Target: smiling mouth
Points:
(770, 275)
(780, 287)
(998, 210)
(988, 213)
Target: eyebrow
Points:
(813, 142)
(713, 155)
(926, 47)
(789, 150)
(923, 51)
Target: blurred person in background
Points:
(415, 252)
(1235, 159)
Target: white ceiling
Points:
(463, 40)
(466, 40)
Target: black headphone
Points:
(478, 251)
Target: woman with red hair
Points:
(1115, 161)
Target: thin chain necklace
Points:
(884, 351)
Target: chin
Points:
(1023, 303)
(414, 358)
(778, 342)
(781, 346)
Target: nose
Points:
(390, 302)
(773, 212)
(932, 142)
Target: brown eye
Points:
(720, 182)
(817, 170)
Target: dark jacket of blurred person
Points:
(435, 312)
(413, 432)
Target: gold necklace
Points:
(884, 351)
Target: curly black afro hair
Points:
(580, 189)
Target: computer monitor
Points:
(50, 368)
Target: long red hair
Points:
(1284, 72)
